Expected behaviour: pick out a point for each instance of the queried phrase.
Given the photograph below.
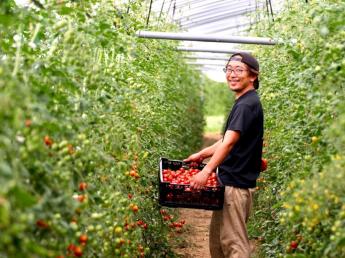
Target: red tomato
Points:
(41, 223)
(166, 217)
(81, 198)
(48, 141)
(163, 212)
(82, 186)
(294, 244)
(78, 252)
(135, 208)
(263, 164)
(83, 239)
(71, 247)
(28, 122)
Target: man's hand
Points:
(199, 180)
(196, 157)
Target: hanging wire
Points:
(174, 9)
(268, 12)
(169, 6)
(148, 17)
(160, 13)
(38, 4)
(271, 9)
(128, 7)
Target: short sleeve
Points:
(241, 119)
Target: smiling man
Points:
(237, 159)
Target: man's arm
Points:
(221, 151)
(204, 153)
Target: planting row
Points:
(86, 110)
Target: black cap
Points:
(249, 60)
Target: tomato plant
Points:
(86, 110)
(299, 210)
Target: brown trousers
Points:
(228, 231)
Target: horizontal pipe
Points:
(233, 27)
(212, 50)
(215, 18)
(206, 64)
(225, 30)
(210, 10)
(195, 2)
(207, 58)
(205, 38)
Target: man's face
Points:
(238, 77)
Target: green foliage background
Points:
(218, 98)
(84, 100)
(301, 196)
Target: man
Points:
(238, 159)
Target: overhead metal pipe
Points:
(188, 2)
(206, 64)
(236, 30)
(217, 18)
(220, 25)
(207, 58)
(183, 2)
(226, 23)
(201, 5)
(210, 7)
(238, 26)
(205, 38)
(212, 50)
(214, 10)
(210, 13)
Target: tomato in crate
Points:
(175, 191)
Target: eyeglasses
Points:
(237, 70)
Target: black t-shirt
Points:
(242, 166)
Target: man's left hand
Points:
(199, 180)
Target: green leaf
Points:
(4, 212)
(22, 198)
(65, 10)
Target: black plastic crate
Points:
(180, 195)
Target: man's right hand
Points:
(196, 157)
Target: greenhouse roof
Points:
(215, 17)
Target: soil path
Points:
(195, 236)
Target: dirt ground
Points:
(194, 239)
(195, 236)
